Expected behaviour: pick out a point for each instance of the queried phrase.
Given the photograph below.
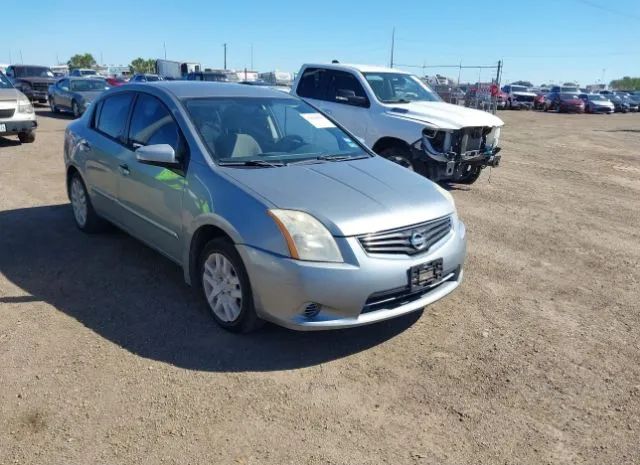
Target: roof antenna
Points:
(335, 62)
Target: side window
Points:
(151, 123)
(311, 83)
(343, 85)
(112, 120)
(10, 72)
(64, 84)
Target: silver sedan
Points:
(273, 211)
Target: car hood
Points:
(39, 80)
(350, 197)
(444, 115)
(525, 94)
(9, 95)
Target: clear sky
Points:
(540, 41)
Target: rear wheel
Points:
(52, 105)
(226, 288)
(85, 216)
(470, 176)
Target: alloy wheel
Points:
(222, 287)
(79, 202)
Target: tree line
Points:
(86, 60)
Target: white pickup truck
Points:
(402, 119)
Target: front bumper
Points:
(517, 104)
(14, 126)
(346, 292)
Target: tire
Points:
(27, 137)
(52, 105)
(470, 177)
(86, 218)
(75, 109)
(232, 306)
(399, 155)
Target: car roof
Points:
(356, 67)
(200, 89)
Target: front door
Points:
(151, 196)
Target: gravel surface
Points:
(106, 356)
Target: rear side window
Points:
(312, 83)
(151, 123)
(112, 120)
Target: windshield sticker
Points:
(350, 143)
(318, 120)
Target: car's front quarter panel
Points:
(212, 199)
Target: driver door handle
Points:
(124, 169)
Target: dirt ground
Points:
(107, 357)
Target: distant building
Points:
(118, 70)
(596, 87)
(277, 78)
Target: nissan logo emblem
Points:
(417, 240)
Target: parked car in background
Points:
(518, 97)
(633, 100)
(212, 76)
(539, 101)
(402, 119)
(33, 81)
(565, 89)
(620, 104)
(564, 102)
(75, 94)
(140, 77)
(596, 103)
(449, 94)
(17, 116)
(116, 81)
(83, 72)
(273, 211)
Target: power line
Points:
(609, 10)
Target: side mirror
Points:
(65, 88)
(158, 155)
(349, 97)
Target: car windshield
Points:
(400, 88)
(569, 89)
(33, 71)
(596, 97)
(4, 82)
(519, 89)
(88, 85)
(268, 132)
(152, 78)
(213, 77)
(569, 96)
(88, 72)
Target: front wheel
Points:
(398, 155)
(470, 176)
(75, 108)
(27, 137)
(52, 105)
(226, 287)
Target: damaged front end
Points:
(457, 155)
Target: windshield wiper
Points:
(261, 163)
(397, 101)
(339, 157)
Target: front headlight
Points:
(24, 106)
(306, 237)
(448, 196)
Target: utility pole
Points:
(164, 45)
(393, 46)
(10, 59)
(252, 57)
(21, 60)
(225, 55)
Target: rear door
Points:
(105, 152)
(62, 94)
(151, 196)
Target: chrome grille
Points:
(409, 240)
(40, 86)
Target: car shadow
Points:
(135, 298)
(4, 142)
(49, 114)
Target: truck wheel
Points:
(471, 176)
(399, 155)
(27, 137)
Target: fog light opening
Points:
(311, 310)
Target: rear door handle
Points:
(124, 169)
